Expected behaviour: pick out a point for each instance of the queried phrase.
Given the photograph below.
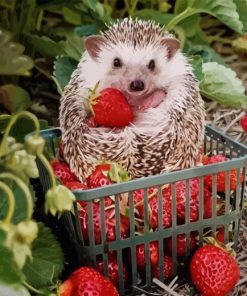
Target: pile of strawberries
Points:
(102, 177)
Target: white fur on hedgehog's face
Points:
(137, 72)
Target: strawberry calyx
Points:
(92, 97)
(209, 240)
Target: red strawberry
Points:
(167, 261)
(87, 281)
(207, 204)
(221, 180)
(243, 122)
(154, 254)
(220, 235)
(75, 185)
(110, 221)
(214, 271)
(221, 176)
(181, 244)
(111, 109)
(113, 270)
(62, 171)
(181, 199)
(99, 177)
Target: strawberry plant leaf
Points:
(63, 68)
(86, 30)
(221, 84)
(242, 11)
(196, 61)
(12, 60)
(225, 11)
(14, 98)
(157, 16)
(46, 46)
(9, 272)
(47, 263)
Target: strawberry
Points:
(207, 204)
(87, 281)
(167, 261)
(221, 176)
(110, 108)
(181, 199)
(181, 244)
(99, 177)
(213, 271)
(73, 185)
(243, 122)
(110, 221)
(62, 171)
(113, 270)
(154, 254)
(220, 235)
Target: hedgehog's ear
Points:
(172, 45)
(93, 44)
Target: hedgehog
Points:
(145, 62)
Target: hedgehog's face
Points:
(134, 70)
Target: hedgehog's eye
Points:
(151, 65)
(117, 63)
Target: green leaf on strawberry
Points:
(47, 263)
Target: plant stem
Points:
(133, 7)
(178, 18)
(12, 122)
(11, 202)
(127, 6)
(25, 190)
(49, 169)
(31, 288)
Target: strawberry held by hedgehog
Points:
(145, 63)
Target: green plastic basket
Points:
(88, 252)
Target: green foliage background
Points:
(41, 42)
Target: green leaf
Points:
(71, 16)
(14, 98)
(222, 85)
(225, 11)
(242, 11)
(86, 30)
(91, 4)
(151, 14)
(63, 68)
(196, 61)
(207, 53)
(180, 6)
(46, 46)
(12, 60)
(20, 212)
(48, 259)
(9, 272)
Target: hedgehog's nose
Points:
(137, 85)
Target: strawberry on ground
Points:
(243, 122)
(181, 244)
(110, 108)
(167, 261)
(141, 254)
(214, 271)
(87, 281)
(113, 270)
(62, 171)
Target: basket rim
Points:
(164, 178)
